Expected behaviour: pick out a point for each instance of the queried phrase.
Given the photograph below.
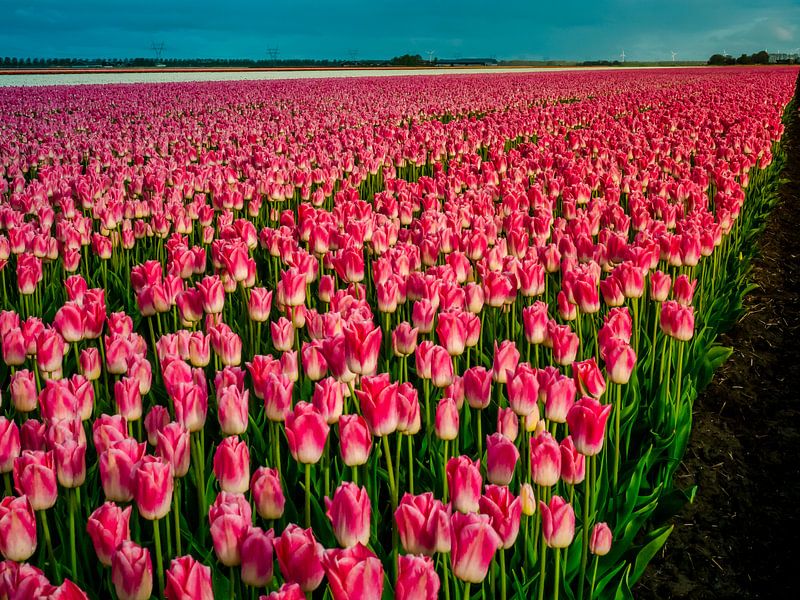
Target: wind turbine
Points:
(430, 54)
(674, 54)
(622, 55)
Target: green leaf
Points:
(646, 554)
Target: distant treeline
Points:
(757, 58)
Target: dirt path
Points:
(741, 537)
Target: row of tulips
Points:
(445, 349)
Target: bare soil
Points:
(741, 536)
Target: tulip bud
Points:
(35, 477)
(299, 557)
(600, 542)
(355, 441)
(558, 522)
(17, 529)
(505, 512)
(464, 482)
(353, 573)
(108, 527)
(306, 433)
(154, 488)
(587, 423)
(188, 579)
(501, 459)
(132, 572)
(528, 500)
(267, 493)
(10, 446)
(416, 578)
(545, 460)
(350, 512)
(447, 419)
(474, 545)
(257, 557)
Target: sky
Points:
(365, 29)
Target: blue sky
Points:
(524, 29)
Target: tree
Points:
(760, 58)
(408, 60)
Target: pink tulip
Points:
(474, 543)
(423, 524)
(50, 350)
(354, 572)
(17, 528)
(23, 391)
(128, 398)
(259, 304)
(573, 464)
(446, 426)
(108, 526)
(683, 289)
(534, 320)
(545, 460)
(35, 477)
(69, 322)
(464, 482)
(153, 488)
(505, 512)
(267, 493)
(232, 465)
(620, 361)
(188, 579)
(10, 447)
(118, 467)
(587, 425)
(173, 446)
(589, 379)
(70, 461)
(558, 522)
(355, 441)
(600, 541)
(660, 284)
(278, 397)
(379, 404)
(559, 398)
(32, 435)
(677, 321)
(228, 530)
(156, 419)
(288, 591)
(565, 345)
(501, 459)
(404, 339)
(132, 572)
(506, 357)
(232, 410)
(350, 512)
(523, 390)
(107, 430)
(507, 423)
(306, 433)
(257, 557)
(328, 399)
(416, 578)
(299, 557)
(362, 346)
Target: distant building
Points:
(466, 62)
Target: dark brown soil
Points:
(741, 536)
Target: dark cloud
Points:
(580, 29)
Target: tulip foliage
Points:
(409, 337)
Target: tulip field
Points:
(408, 337)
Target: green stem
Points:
(446, 573)
(48, 542)
(444, 473)
(557, 574)
(7, 479)
(466, 590)
(617, 440)
(410, 464)
(542, 561)
(176, 503)
(503, 573)
(308, 495)
(587, 493)
(159, 559)
(594, 576)
(72, 553)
